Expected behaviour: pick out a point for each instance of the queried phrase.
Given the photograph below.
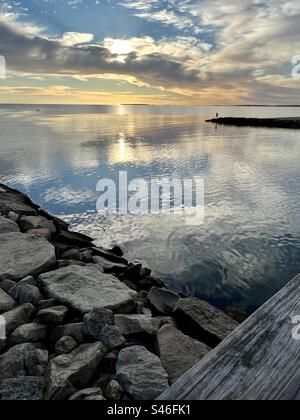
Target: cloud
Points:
(248, 38)
(75, 38)
(167, 17)
(225, 51)
(39, 55)
(165, 12)
(12, 20)
(67, 95)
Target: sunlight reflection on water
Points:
(248, 247)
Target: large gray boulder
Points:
(14, 201)
(73, 371)
(86, 288)
(29, 333)
(44, 233)
(18, 316)
(141, 373)
(7, 285)
(178, 352)
(66, 263)
(6, 302)
(23, 255)
(12, 363)
(54, 315)
(22, 389)
(163, 300)
(203, 322)
(137, 324)
(73, 239)
(28, 223)
(8, 226)
(109, 267)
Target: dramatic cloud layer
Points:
(201, 51)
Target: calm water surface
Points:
(249, 245)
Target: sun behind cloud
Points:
(120, 46)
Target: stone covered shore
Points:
(82, 323)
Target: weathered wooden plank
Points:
(260, 360)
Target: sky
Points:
(175, 52)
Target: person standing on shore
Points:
(217, 115)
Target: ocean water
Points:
(249, 244)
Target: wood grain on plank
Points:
(260, 360)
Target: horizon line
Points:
(155, 105)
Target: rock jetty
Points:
(292, 123)
(83, 323)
